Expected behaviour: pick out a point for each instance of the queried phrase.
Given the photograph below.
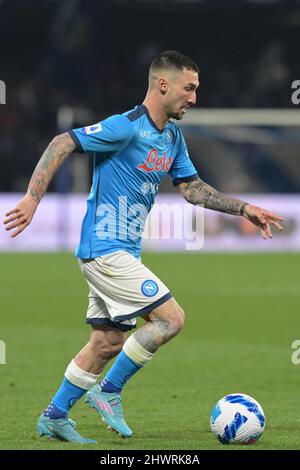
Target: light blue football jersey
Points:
(131, 157)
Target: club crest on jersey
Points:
(169, 135)
(92, 129)
(155, 163)
(149, 288)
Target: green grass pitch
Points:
(242, 317)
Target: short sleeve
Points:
(182, 169)
(110, 135)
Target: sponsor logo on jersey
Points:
(146, 134)
(155, 163)
(149, 188)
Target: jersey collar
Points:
(150, 119)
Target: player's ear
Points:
(162, 86)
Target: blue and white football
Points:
(237, 419)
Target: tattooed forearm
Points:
(53, 157)
(198, 192)
(153, 334)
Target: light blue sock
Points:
(120, 372)
(66, 397)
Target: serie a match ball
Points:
(237, 419)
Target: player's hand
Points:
(263, 219)
(21, 216)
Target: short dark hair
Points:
(173, 60)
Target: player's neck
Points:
(157, 115)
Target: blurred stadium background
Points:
(75, 62)
(72, 63)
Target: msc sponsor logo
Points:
(149, 188)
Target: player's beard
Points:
(176, 115)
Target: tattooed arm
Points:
(55, 154)
(198, 192)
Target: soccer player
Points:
(133, 151)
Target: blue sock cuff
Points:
(121, 371)
(72, 386)
(67, 395)
(127, 358)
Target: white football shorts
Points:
(121, 289)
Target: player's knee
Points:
(106, 350)
(182, 316)
(107, 346)
(176, 321)
(111, 350)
